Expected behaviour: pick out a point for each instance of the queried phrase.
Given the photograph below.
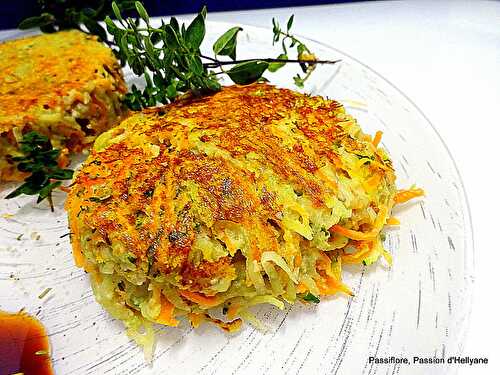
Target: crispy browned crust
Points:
(142, 169)
(64, 85)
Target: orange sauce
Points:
(24, 345)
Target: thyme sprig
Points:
(169, 57)
(40, 159)
(305, 57)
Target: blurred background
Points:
(12, 12)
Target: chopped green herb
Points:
(149, 193)
(365, 157)
(121, 286)
(309, 297)
(151, 252)
(99, 199)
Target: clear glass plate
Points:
(418, 307)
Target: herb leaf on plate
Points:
(40, 159)
(309, 297)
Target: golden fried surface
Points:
(41, 70)
(66, 85)
(194, 189)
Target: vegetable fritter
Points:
(252, 195)
(65, 85)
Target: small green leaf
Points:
(226, 44)
(43, 20)
(203, 11)
(116, 11)
(301, 48)
(123, 44)
(195, 33)
(171, 39)
(171, 90)
(196, 65)
(34, 138)
(41, 161)
(155, 37)
(309, 297)
(25, 188)
(212, 84)
(273, 67)
(299, 81)
(110, 25)
(47, 190)
(62, 174)
(175, 24)
(275, 24)
(150, 49)
(289, 23)
(247, 72)
(142, 11)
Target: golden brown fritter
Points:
(65, 85)
(169, 176)
(251, 195)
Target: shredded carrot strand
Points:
(199, 298)
(337, 286)
(405, 195)
(363, 236)
(354, 234)
(365, 248)
(166, 316)
(377, 138)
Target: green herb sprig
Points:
(58, 15)
(307, 59)
(169, 57)
(40, 159)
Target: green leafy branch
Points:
(169, 57)
(40, 159)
